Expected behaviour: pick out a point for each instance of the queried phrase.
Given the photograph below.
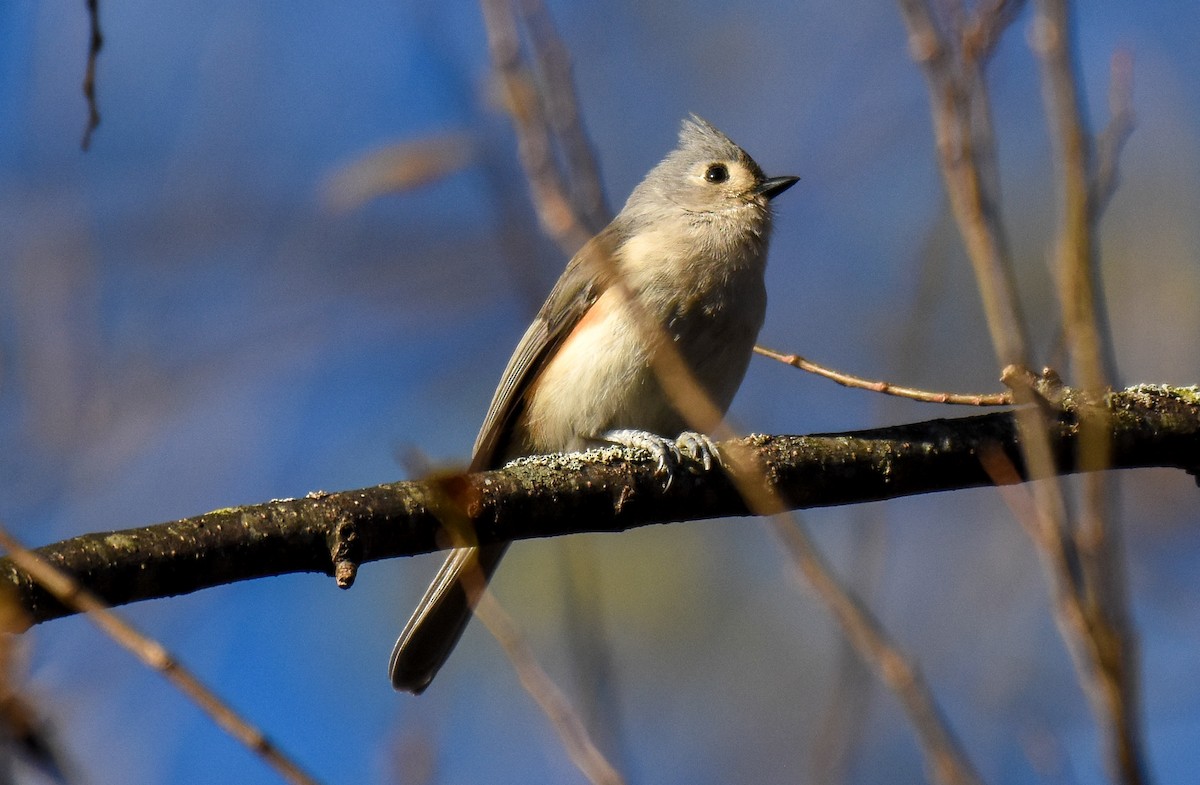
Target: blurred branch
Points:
(1083, 563)
(876, 648)
(95, 44)
(25, 734)
(887, 388)
(523, 98)
(1112, 139)
(837, 743)
(557, 94)
(603, 490)
(398, 167)
(1079, 284)
(53, 579)
(1102, 639)
(966, 154)
(453, 500)
(566, 721)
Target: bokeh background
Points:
(190, 318)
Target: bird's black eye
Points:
(716, 173)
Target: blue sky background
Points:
(186, 324)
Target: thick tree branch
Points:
(587, 492)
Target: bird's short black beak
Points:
(774, 186)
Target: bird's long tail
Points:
(441, 616)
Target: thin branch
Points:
(72, 594)
(1077, 622)
(554, 207)
(837, 743)
(1083, 308)
(575, 737)
(1112, 139)
(887, 388)
(95, 44)
(453, 499)
(965, 148)
(561, 106)
(986, 25)
(943, 751)
(602, 490)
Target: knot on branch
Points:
(345, 549)
(1045, 389)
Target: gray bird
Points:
(684, 259)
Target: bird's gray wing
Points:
(582, 282)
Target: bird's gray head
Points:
(705, 180)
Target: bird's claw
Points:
(669, 453)
(701, 448)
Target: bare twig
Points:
(887, 388)
(1077, 620)
(843, 724)
(1083, 307)
(943, 752)
(554, 704)
(69, 592)
(95, 44)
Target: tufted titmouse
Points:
(685, 258)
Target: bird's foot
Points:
(668, 453)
